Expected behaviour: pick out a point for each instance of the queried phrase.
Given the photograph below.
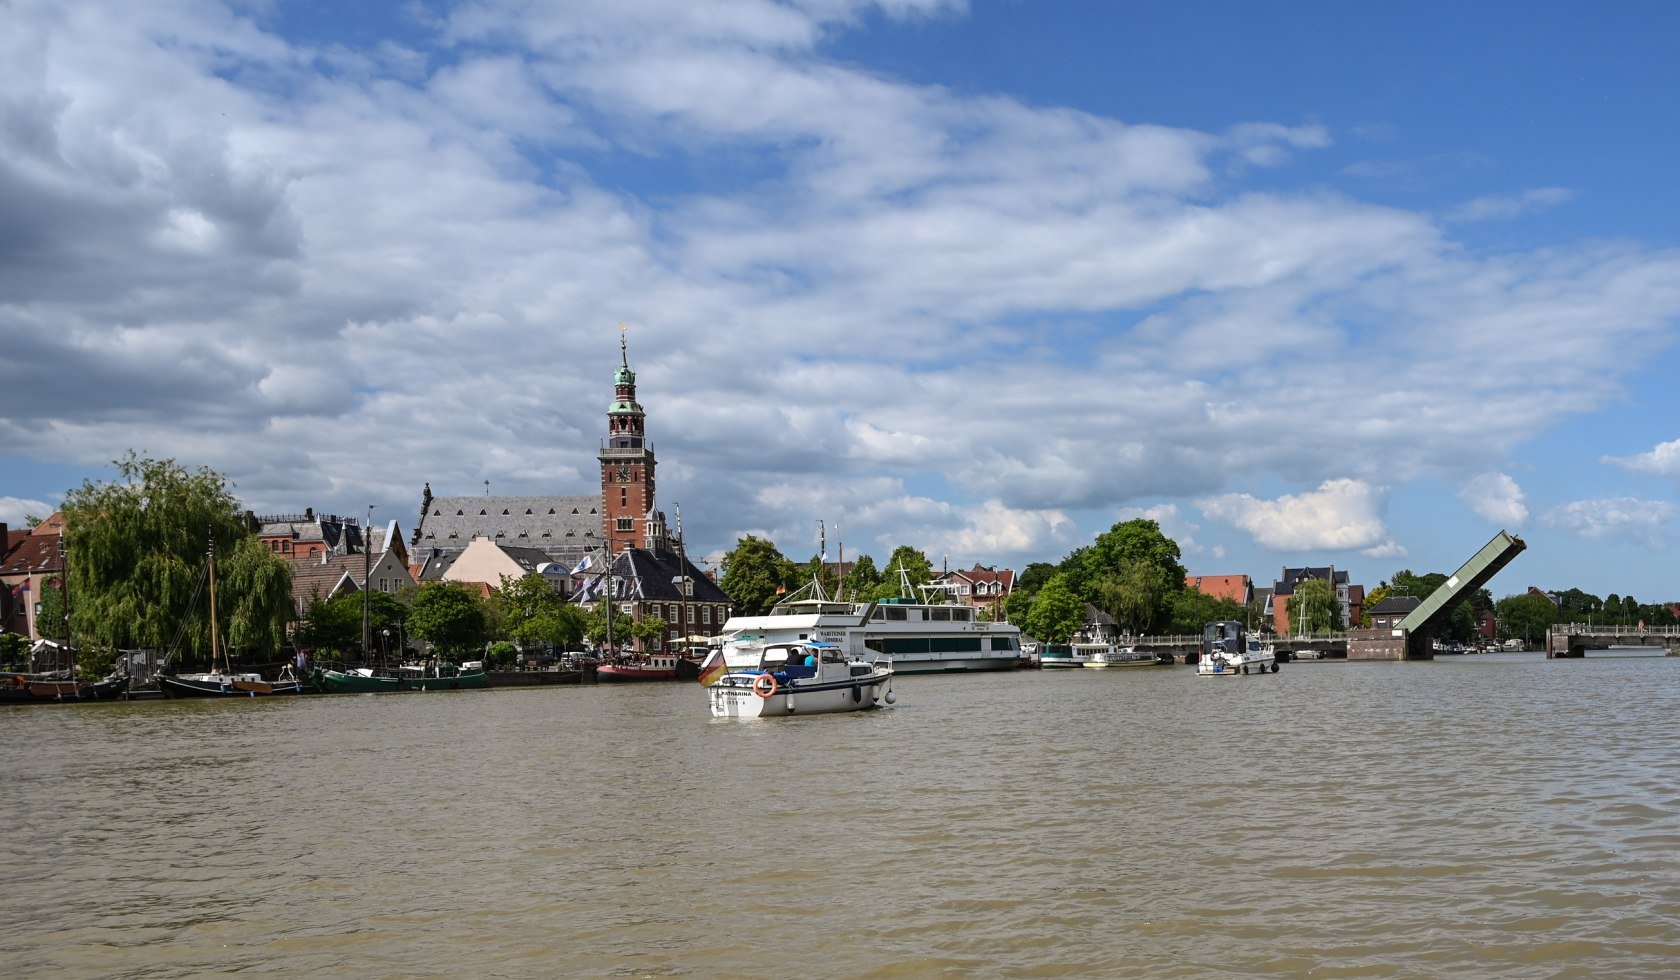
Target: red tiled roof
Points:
(37, 552)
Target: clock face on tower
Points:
(624, 474)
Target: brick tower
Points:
(626, 463)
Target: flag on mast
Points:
(713, 668)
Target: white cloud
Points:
(1624, 519)
(1663, 460)
(1388, 549)
(839, 284)
(15, 512)
(1341, 514)
(1508, 207)
(1496, 497)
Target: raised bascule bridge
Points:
(1413, 638)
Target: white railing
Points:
(1601, 629)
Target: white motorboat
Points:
(802, 678)
(918, 637)
(1228, 648)
(1111, 655)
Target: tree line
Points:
(138, 555)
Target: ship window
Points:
(895, 612)
(878, 615)
(941, 615)
(1003, 643)
(963, 615)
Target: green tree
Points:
(752, 573)
(1406, 582)
(1313, 608)
(1135, 542)
(14, 651)
(1056, 613)
(595, 625)
(533, 614)
(50, 621)
(1193, 609)
(1017, 604)
(651, 630)
(335, 625)
(448, 616)
(136, 549)
(908, 564)
(1373, 598)
(500, 655)
(1033, 577)
(863, 578)
(1527, 617)
(1138, 596)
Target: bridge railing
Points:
(1600, 629)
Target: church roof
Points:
(546, 522)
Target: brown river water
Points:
(1483, 816)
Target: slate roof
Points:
(1395, 604)
(643, 575)
(1295, 576)
(563, 527)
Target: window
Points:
(623, 497)
(706, 615)
(626, 524)
(653, 610)
(941, 614)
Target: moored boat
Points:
(805, 677)
(1228, 648)
(1101, 655)
(1056, 655)
(228, 684)
(654, 667)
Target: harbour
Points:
(1494, 815)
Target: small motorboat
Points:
(1228, 648)
(1109, 655)
(805, 678)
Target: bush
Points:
(501, 655)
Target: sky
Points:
(1311, 283)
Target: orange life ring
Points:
(765, 686)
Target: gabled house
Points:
(982, 586)
(31, 564)
(323, 575)
(487, 562)
(1350, 599)
(1233, 588)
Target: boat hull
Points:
(634, 672)
(187, 687)
(735, 696)
(340, 682)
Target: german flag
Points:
(713, 668)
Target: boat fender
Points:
(857, 693)
(766, 686)
(891, 698)
(1274, 668)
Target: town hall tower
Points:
(626, 464)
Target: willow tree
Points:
(137, 552)
(1313, 608)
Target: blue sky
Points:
(1310, 283)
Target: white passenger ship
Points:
(918, 637)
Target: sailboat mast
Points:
(214, 642)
